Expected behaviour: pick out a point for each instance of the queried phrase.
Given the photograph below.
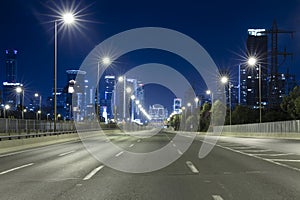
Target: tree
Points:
(291, 103)
(175, 122)
(204, 117)
(244, 115)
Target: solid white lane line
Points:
(217, 197)
(92, 173)
(285, 160)
(255, 156)
(278, 154)
(179, 151)
(192, 167)
(242, 148)
(256, 151)
(66, 153)
(131, 145)
(16, 168)
(120, 153)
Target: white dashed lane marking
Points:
(66, 153)
(179, 151)
(217, 197)
(192, 167)
(120, 153)
(92, 173)
(16, 168)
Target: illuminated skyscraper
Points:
(11, 66)
(257, 46)
(10, 96)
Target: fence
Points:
(12, 126)
(270, 127)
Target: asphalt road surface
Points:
(236, 168)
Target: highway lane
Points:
(233, 170)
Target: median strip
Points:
(16, 168)
(92, 173)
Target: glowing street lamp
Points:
(128, 90)
(120, 79)
(6, 107)
(40, 103)
(252, 61)
(106, 61)
(67, 18)
(224, 79)
(196, 99)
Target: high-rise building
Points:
(107, 103)
(11, 66)
(76, 96)
(257, 46)
(177, 105)
(10, 95)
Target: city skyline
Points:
(35, 47)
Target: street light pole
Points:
(229, 91)
(55, 74)
(97, 91)
(68, 18)
(252, 61)
(259, 90)
(23, 103)
(40, 104)
(124, 99)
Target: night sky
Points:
(219, 26)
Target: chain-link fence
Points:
(19, 126)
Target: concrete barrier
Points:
(33, 142)
(26, 143)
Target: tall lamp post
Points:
(20, 90)
(40, 104)
(210, 93)
(123, 79)
(67, 18)
(105, 61)
(6, 107)
(196, 102)
(252, 61)
(225, 80)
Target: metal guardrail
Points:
(11, 137)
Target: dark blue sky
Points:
(219, 26)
